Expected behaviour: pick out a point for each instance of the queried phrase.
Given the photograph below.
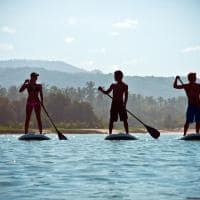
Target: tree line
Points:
(85, 107)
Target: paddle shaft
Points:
(49, 117)
(131, 113)
(60, 135)
(152, 131)
(45, 110)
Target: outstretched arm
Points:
(106, 91)
(24, 86)
(176, 86)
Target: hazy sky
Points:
(140, 37)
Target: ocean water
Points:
(87, 167)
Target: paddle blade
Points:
(61, 136)
(153, 132)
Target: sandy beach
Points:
(90, 131)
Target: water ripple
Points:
(88, 167)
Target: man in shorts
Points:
(119, 101)
(192, 90)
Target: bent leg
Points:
(28, 117)
(186, 126)
(38, 117)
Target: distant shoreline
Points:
(66, 131)
(87, 131)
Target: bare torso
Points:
(193, 93)
(119, 90)
(33, 92)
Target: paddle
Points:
(152, 131)
(181, 81)
(60, 135)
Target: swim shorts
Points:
(118, 109)
(193, 114)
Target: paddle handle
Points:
(181, 81)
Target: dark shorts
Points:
(117, 109)
(192, 114)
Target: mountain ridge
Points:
(146, 86)
(46, 64)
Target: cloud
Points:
(99, 51)
(134, 61)
(126, 24)
(191, 49)
(72, 21)
(4, 47)
(88, 63)
(93, 66)
(69, 39)
(8, 30)
(115, 34)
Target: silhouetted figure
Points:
(119, 101)
(192, 90)
(34, 90)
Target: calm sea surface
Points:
(88, 167)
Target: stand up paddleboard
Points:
(120, 136)
(192, 137)
(33, 137)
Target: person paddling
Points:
(192, 90)
(33, 102)
(119, 101)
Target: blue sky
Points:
(140, 37)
